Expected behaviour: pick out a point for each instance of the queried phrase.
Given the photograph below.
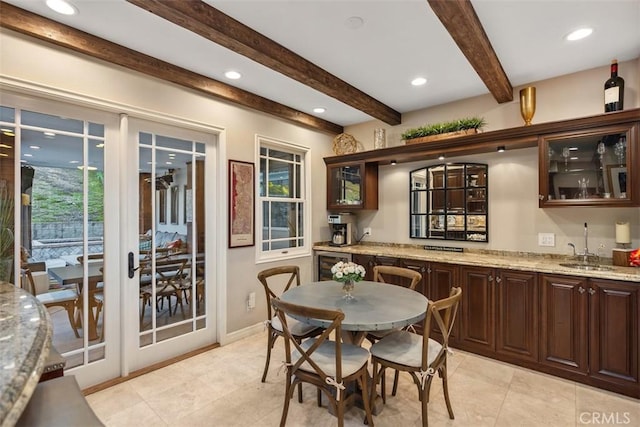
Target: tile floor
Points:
(222, 388)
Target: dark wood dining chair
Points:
(282, 278)
(322, 362)
(419, 355)
(398, 276)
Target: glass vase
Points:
(347, 288)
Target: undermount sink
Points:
(587, 267)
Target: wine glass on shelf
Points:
(620, 149)
(565, 154)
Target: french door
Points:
(60, 164)
(170, 235)
(90, 191)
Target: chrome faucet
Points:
(584, 254)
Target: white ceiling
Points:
(399, 40)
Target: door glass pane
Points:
(62, 182)
(172, 235)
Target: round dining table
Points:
(375, 306)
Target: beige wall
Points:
(514, 217)
(30, 60)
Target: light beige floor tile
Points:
(487, 370)
(524, 410)
(182, 399)
(555, 391)
(137, 415)
(602, 408)
(109, 402)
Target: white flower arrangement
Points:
(347, 271)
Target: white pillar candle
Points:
(623, 232)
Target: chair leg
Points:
(319, 397)
(287, 397)
(70, 307)
(299, 392)
(367, 401)
(445, 388)
(383, 386)
(270, 341)
(396, 377)
(424, 401)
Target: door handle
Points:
(132, 269)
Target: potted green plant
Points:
(443, 130)
(6, 234)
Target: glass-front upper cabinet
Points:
(352, 186)
(590, 168)
(449, 202)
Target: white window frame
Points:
(305, 199)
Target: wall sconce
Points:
(501, 149)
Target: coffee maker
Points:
(342, 229)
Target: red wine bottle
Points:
(614, 90)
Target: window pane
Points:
(277, 154)
(7, 114)
(283, 220)
(280, 179)
(96, 129)
(265, 220)
(261, 178)
(52, 122)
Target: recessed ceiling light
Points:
(579, 34)
(319, 110)
(573, 148)
(573, 158)
(61, 6)
(233, 75)
(354, 22)
(418, 81)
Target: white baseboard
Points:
(242, 333)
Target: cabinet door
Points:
(367, 261)
(477, 326)
(563, 332)
(352, 186)
(443, 277)
(517, 314)
(614, 325)
(594, 167)
(420, 267)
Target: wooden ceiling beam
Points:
(460, 19)
(33, 25)
(212, 24)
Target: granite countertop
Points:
(25, 338)
(524, 261)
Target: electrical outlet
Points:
(546, 239)
(251, 301)
(367, 231)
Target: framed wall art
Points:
(241, 204)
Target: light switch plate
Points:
(546, 239)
